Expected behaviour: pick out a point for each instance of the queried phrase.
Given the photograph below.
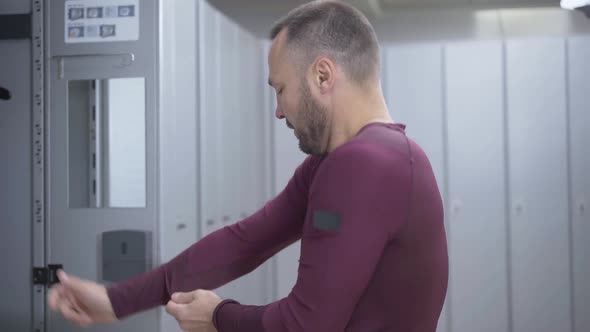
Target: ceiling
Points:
(380, 6)
(258, 15)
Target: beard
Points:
(313, 121)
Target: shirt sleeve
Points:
(223, 255)
(359, 200)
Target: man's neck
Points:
(355, 112)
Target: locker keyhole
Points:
(124, 248)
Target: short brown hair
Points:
(337, 30)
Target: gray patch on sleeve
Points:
(326, 221)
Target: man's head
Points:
(320, 49)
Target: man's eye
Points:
(280, 91)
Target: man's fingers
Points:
(57, 298)
(73, 315)
(62, 301)
(62, 276)
(69, 296)
(70, 288)
(183, 298)
(71, 282)
(54, 297)
(174, 309)
(65, 296)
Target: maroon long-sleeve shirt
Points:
(373, 246)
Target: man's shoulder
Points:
(357, 152)
(368, 149)
(358, 159)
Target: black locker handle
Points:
(5, 94)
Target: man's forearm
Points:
(139, 294)
(223, 255)
(207, 264)
(217, 259)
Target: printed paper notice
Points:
(99, 21)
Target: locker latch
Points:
(46, 276)
(4, 94)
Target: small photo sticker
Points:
(126, 11)
(107, 30)
(75, 14)
(94, 12)
(76, 32)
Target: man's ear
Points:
(324, 74)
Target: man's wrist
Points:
(216, 312)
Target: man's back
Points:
(408, 286)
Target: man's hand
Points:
(80, 301)
(194, 310)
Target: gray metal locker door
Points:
(16, 170)
(233, 101)
(477, 190)
(230, 135)
(414, 94)
(413, 77)
(256, 287)
(252, 117)
(579, 81)
(126, 72)
(226, 104)
(210, 131)
(539, 228)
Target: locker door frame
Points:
(39, 157)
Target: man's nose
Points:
(279, 113)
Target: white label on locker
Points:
(100, 21)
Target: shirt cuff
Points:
(117, 302)
(217, 309)
(231, 316)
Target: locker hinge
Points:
(46, 276)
